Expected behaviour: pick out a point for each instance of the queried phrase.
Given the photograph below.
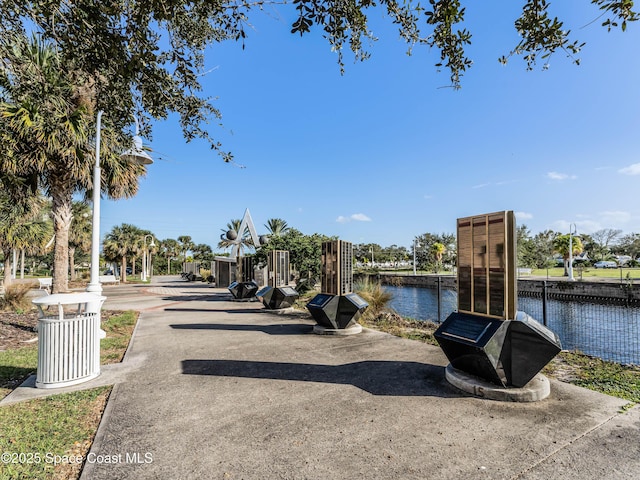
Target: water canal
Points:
(611, 332)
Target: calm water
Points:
(610, 332)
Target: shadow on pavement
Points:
(215, 310)
(376, 377)
(278, 329)
(203, 297)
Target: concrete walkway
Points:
(216, 389)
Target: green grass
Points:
(587, 273)
(611, 378)
(119, 329)
(56, 427)
(48, 430)
(15, 366)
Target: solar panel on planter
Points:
(336, 311)
(277, 297)
(243, 290)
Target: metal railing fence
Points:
(608, 328)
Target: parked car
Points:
(605, 264)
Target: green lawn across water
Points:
(589, 273)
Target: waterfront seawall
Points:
(591, 291)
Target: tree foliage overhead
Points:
(46, 118)
(146, 56)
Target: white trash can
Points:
(68, 342)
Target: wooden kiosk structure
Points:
(487, 336)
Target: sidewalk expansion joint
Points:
(564, 446)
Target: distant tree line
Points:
(540, 250)
(29, 233)
(435, 252)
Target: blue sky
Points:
(386, 152)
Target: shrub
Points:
(305, 285)
(376, 296)
(15, 297)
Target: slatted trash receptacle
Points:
(68, 340)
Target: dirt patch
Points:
(18, 329)
(562, 370)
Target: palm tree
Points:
(561, 246)
(135, 243)
(33, 233)
(132, 238)
(233, 228)
(169, 248)
(46, 114)
(437, 249)
(152, 251)
(119, 244)
(79, 233)
(202, 252)
(22, 226)
(276, 226)
(186, 244)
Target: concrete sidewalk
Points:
(216, 389)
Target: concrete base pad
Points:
(352, 330)
(537, 389)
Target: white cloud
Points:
(588, 226)
(427, 197)
(582, 226)
(592, 223)
(615, 218)
(631, 169)
(560, 176)
(481, 185)
(357, 217)
(523, 215)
